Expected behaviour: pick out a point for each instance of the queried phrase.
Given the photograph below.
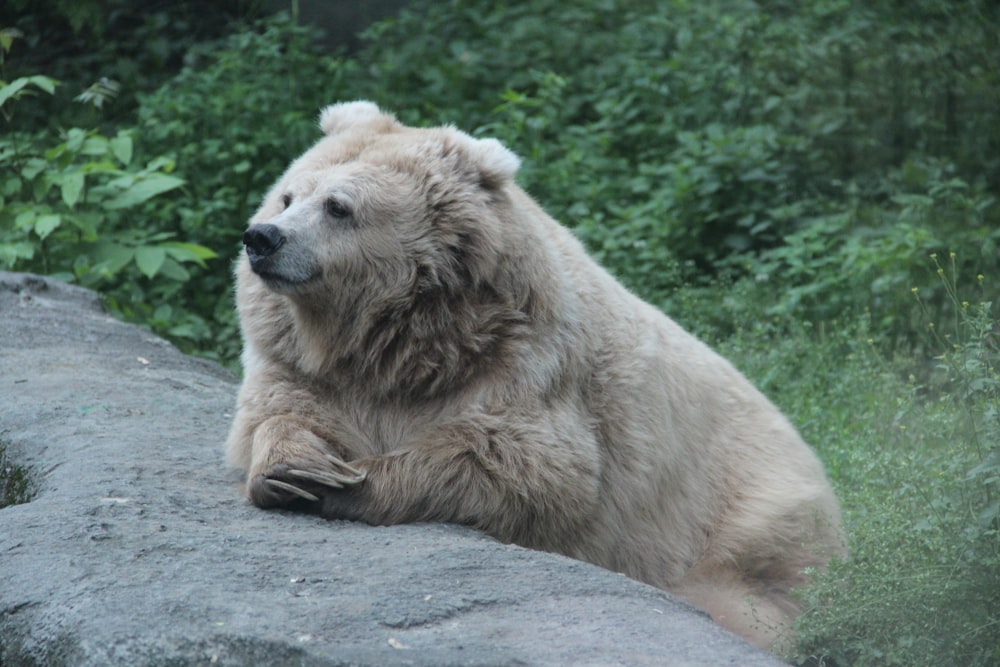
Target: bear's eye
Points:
(336, 209)
(286, 200)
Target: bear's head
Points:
(376, 201)
(384, 242)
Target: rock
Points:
(137, 548)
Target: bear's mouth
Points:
(282, 281)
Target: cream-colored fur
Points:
(411, 311)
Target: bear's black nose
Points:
(262, 241)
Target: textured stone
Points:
(138, 549)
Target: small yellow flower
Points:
(933, 255)
(980, 277)
(914, 290)
(965, 305)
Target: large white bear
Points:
(424, 343)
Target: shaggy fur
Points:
(406, 308)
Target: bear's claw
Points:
(282, 482)
(290, 488)
(335, 480)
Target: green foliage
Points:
(916, 466)
(16, 483)
(133, 44)
(233, 119)
(67, 210)
(867, 256)
(689, 139)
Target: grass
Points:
(16, 485)
(912, 445)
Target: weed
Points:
(16, 483)
(916, 463)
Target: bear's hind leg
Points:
(764, 618)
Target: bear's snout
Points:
(262, 241)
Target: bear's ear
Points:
(495, 163)
(339, 117)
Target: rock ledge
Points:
(137, 548)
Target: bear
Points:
(423, 343)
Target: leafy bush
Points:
(67, 210)
(867, 256)
(691, 139)
(134, 43)
(232, 119)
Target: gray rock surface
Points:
(138, 549)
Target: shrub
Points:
(232, 119)
(68, 210)
(690, 139)
(865, 257)
(913, 453)
(917, 467)
(134, 43)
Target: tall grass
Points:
(913, 449)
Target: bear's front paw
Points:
(309, 480)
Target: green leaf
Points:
(189, 252)
(32, 167)
(10, 253)
(121, 146)
(149, 259)
(74, 139)
(101, 167)
(40, 188)
(147, 188)
(163, 313)
(182, 331)
(96, 145)
(112, 258)
(71, 185)
(25, 219)
(12, 89)
(158, 163)
(46, 224)
(174, 271)
(86, 222)
(45, 83)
